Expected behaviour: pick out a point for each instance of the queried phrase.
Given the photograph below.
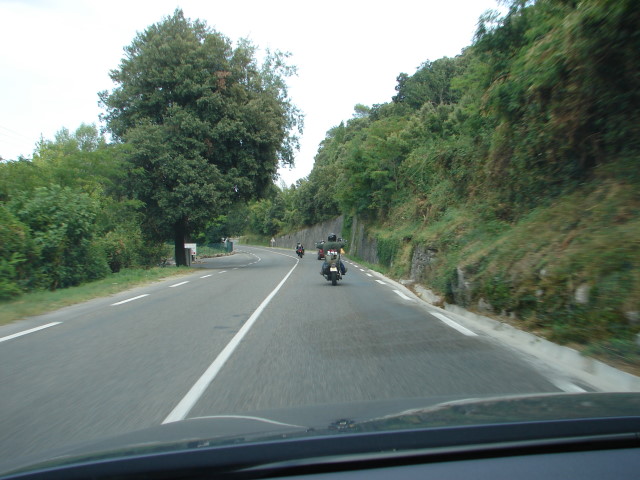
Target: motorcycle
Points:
(331, 269)
(300, 252)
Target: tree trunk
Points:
(178, 236)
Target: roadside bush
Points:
(123, 247)
(15, 246)
(64, 232)
(9, 286)
(155, 253)
(387, 249)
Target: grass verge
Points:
(39, 302)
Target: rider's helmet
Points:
(332, 237)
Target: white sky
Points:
(55, 55)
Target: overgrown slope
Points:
(515, 164)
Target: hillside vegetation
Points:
(515, 164)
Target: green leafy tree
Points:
(431, 83)
(232, 224)
(81, 159)
(265, 216)
(17, 176)
(206, 125)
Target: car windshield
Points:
(226, 224)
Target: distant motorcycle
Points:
(331, 270)
(300, 252)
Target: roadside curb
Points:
(592, 371)
(589, 370)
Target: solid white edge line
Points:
(178, 284)
(129, 300)
(26, 332)
(193, 395)
(453, 324)
(402, 295)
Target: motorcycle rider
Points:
(333, 244)
(299, 248)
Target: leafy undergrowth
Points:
(39, 302)
(568, 271)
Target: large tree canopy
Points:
(205, 123)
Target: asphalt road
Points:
(253, 332)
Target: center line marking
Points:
(223, 271)
(380, 282)
(183, 408)
(129, 300)
(205, 276)
(369, 275)
(26, 332)
(178, 284)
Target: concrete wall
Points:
(309, 236)
(361, 244)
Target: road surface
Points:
(252, 332)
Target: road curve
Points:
(128, 361)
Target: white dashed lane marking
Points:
(401, 295)
(130, 299)
(26, 332)
(453, 324)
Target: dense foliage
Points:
(65, 218)
(544, 96)
(198, 128)
(206, 125)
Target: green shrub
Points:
(387, 249)
(16, 254)
(62, 222)
(123, 248)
